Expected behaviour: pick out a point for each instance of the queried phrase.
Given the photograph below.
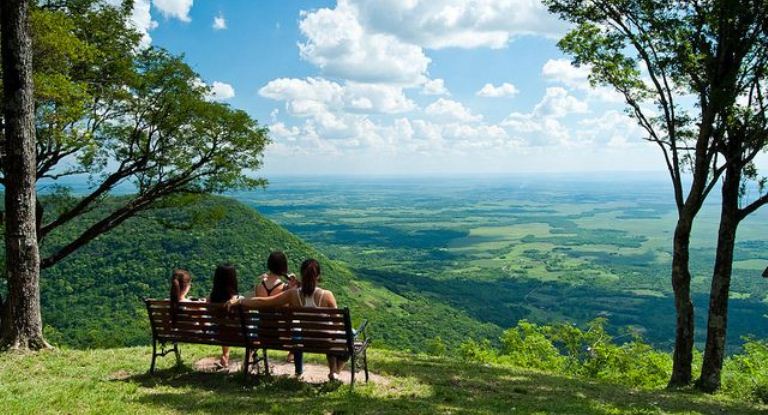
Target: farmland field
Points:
(548, 248)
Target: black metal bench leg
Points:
(352, 372)
(266, 363)
(365, 364)
(154, 357)
(246, 362)
(177, 352)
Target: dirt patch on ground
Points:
(313, 373)
(119, 375)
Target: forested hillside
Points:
(93, 298)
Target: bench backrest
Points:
(314, 330)
(195, 322)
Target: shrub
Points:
(745, 375)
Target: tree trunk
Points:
(717, 322)
(23, 327)
(681, 284)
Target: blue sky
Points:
(403, 86)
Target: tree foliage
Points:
(692, 75)
(108, 108)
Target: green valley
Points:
(93, 299)
(546, 248)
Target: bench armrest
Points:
(360, 329)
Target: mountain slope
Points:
(93, 298)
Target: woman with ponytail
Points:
(181, 281)
(307, 295)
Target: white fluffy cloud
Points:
(562, 71)
(141, 16)
(178, 9)
(543, 124)
(140, 19)
(434, 87)
(372, 54)
(340, 46)
(558, 103)
(450, 110)
(612, 129)
(219, 22)
(221, 91)
(504, 90)
(313, 96)
(383, 40)
(457, 23)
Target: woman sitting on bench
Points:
(181, 281)
(224, 289)
(271, 281)
(308, 295)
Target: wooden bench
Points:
(195, 322)
(311, 330)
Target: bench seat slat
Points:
(305, 325)
(220, 313)
(304, 317)
(295, 333)
(199, 336)
(296, 310)
(189, 322)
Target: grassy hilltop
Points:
(114, 381)
(93, 298)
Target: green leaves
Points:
(119, 112)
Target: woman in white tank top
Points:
(307, 295)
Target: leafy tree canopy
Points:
(117, 112)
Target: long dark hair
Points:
(310, 273)
(180, 280)
(224, 284)
(277, 263)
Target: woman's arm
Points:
(278, 300)
(330, 300)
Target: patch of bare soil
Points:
(313, 373)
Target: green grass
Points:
(115, 381)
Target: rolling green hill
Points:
(93, 298)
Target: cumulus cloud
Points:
(384, 40)
(340, 46)
(504, 90)
(178, 9)
(221, 91)
(457, 23)
(219, 22)
(434, 87)
(611, 129)
(544, 121)
(450, 110)
(558, 103)
(562, 71)
(313, 96)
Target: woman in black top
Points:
(224, 289)
(271, 281)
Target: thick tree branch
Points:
(752, 207)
